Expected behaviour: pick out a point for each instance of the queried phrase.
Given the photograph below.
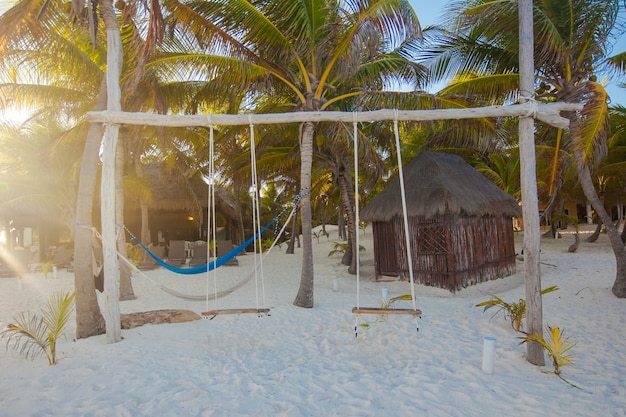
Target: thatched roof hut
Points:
(460, 223)
(175, 200)
(174, 193)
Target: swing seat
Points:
(258, 311)
(384, 311)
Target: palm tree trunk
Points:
(89, 319)
(347, 199)
(304, 298)
(341, 224)
(294, 235)
(596, 233)
(586, 182)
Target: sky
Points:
(429, 13)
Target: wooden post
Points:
(107, 189)
(530, 201)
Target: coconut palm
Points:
(572, 40)
(615, 164)
(38, 173)
(503, 169)
(304, 49)
(35, 35)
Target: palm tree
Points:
(36, 34)
(572, 39)
(503, 169)
(615, 164)
(38, 173)
(42, 27)
(305, 50)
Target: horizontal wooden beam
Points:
(365, 310)
(547, 112)
(259, 311)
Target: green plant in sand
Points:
(35, 335)
(556, 345)
(319, 234)
(46, 268)
(340, 248)
(388, 304)
(514, 311)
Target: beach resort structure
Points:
(460, 224)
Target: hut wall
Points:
(485, 249)
(454, 252)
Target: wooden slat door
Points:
(385, 249)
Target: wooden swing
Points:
(358, 310)
(258, 311)
(256, 219)
(382, 311)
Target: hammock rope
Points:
(236, 286)
(208, 266)
(216, 293)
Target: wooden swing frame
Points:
(527, 111)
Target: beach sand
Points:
(308, 362)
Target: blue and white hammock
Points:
(216, 263)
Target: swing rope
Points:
(405, 217)
(256, 218)
(211, 214)
(358, 310)
(356, 205)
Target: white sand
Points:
(307, 362)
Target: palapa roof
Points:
(439, 184)
(172, 193)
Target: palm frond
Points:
(29, 336)
(501, 88)
(59, 309)
(555, 344)
(596, 124)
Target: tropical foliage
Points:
(393, 300)
(238, 56)
(555, 344)
(33, 335)
(572, 39)
(513, 311)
